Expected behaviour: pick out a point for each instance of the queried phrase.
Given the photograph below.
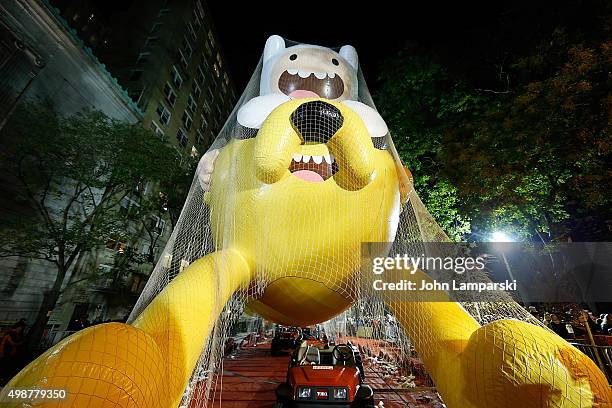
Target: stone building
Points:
(156, 63)
(166, 55)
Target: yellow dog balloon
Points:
(297, 229)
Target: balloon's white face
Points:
(311, 73)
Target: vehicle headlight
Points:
(303, 392)
(340, 393)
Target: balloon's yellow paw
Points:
(516, 364)
(108, 365)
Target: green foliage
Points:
(417, 99)
(72, 174)
(525, 157)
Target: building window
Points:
(200, 136)
(208, 48)
(143, 57)
(184, 61)
(136, 75)
(105, 269)
(226, 79)
(157, 129)
(219, 61)
(163, 113)
(135, 94)
(157, 224)
(177, 80)
(203, 123)
(206, 107)
(196, 22)
(141, 187)
(191, 104)
(127, 205)
(192, 31)
(211, 39)
(169, 94)
(199, 9)
(187, 120)
(200, 75)
(182, 137)
(156, 28)
(187, 47)
(151, 42)
(204, 63)
(196, 90)
(217, 70)
(138, 282)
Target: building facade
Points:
(166, 55)
(40, 59)
(156, 63)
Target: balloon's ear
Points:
(349, 53)
(274, 45)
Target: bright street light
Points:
(500, 236)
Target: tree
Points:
(72, 174)
(417, 99)
(174, 189)
(517, 139)
(153, 210)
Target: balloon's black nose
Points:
(316, 121)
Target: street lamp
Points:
(500, 236)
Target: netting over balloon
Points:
(304, 241)
(302, 174)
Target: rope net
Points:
(302, 174)
(299, 189)
(298, 184)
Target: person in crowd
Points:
(12, 351)
(606, 324)
(556, 325)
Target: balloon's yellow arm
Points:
(148, 363)
(503, 364)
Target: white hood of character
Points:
(308, 71)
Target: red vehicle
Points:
(285, 338)
(324, 377)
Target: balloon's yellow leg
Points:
(146, 364)
(440, 331)
(504, 364)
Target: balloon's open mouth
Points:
(302, 144)
(313, 168)
(304, 84)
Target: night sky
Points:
(377, 30)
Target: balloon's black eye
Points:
(293, 57)
(335, 61)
